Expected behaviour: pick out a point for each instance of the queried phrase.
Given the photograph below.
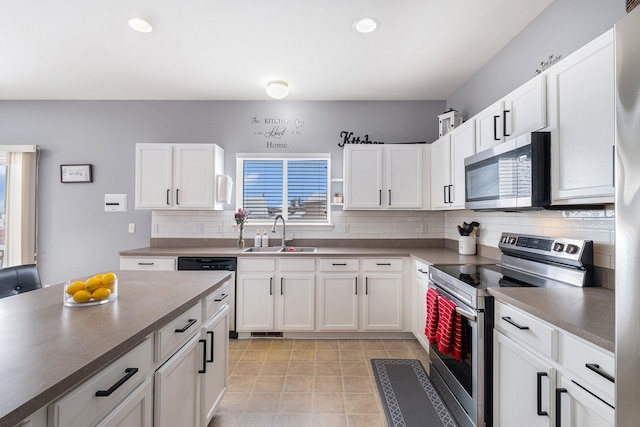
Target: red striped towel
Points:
(457, 339)
(431, 327)
(449, 327)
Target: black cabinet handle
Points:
(504, 123)
(380, 197)
(221, 297)
(204, 357)
(178, 196)
(189, 324)
(539, 395)
(508, 320)
(281, 280)
(383, 263)
(339, 263)
(449, 187)
(210, 359)
(495, 128)
(129, 372)
(270, 285)
(356, 279)
(168, 191)
(366, 286)
(444, 193)
(422, 271)
(598, 370)
(389, 197)
(559, 392)
(146, 263)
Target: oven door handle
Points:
(467, 314)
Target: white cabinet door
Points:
(581, 96)
(441, 172)
(579, 408)
(338, 302)
(403, 176)
(463, 145)
(521, 380)
(214, 380)
(525, 108)
(177, 387)
(489, 127)
(154, 176)
(194, 176)
(296, 302)
(134, 411)
(382, 302)
(254, 311)
(363, 176)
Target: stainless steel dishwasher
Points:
(216, 264)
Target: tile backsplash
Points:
(597, 225)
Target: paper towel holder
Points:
(224, 188)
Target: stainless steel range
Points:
(465, 380)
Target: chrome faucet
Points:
(284, 229)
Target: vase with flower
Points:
(241, 217)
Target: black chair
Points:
(19, 279)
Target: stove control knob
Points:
(572, 249)
(558, 247)
(512, 240)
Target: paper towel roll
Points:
(224, 189)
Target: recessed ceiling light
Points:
(366, 25)
(277, 89)
(140, 25)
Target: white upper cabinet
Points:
(177, 176)
(581, 94)
(387, 176)
(520, 112)
(447, 166)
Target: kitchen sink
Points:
(279, 249)
(263, 250)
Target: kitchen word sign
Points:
(348, 138)
(276, 130)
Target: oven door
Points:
(464, 379)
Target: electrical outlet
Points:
(132, 227)
(155, 229)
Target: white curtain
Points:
(20, 205)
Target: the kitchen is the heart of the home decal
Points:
(276, 130)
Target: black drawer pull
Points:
(340, 263)
(383, 263)
(508, 320)
(422, 271)
(129, 372)
(146, 263)
(541, 413)
(204, 357)
(210, 359)
(189, 324)
(221, 297)
(596, 368)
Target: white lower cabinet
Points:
(382, 302)
(523, 386)
(338, 301)
(546, 376)
(214, 380)
(420, 279)
(135, 410)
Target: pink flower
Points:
(241, 216)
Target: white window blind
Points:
(296, 188)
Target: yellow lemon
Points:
(93, 284)
(109, 280)
(82, 296)
(99, 276)
(101, 293)
(75, 287)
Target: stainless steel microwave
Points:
(512, 176)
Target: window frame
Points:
(260, 223)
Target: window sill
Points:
(307, 227)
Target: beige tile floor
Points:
(285, 382)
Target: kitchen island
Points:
(46, 349)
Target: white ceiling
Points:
(229, 49)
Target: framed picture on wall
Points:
(76, 173)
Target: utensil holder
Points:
(467, 245)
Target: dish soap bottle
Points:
(257, 242)
(265, 239)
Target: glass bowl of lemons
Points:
(99, 289)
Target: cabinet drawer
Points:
(339, 265)
(215, 301)
(383, 264)
(142, 263)
(421, 271)
(583, 360)
(177, 332)
(298, 264)
(525, 329)
(82, 407)
(256, 264)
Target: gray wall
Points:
(77, 238)
(560, 29)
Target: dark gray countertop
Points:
(47, 349)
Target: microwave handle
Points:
(504, 123)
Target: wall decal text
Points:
(348, 138)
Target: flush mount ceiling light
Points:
(277, 89)
(365, 25)
(140, 25)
